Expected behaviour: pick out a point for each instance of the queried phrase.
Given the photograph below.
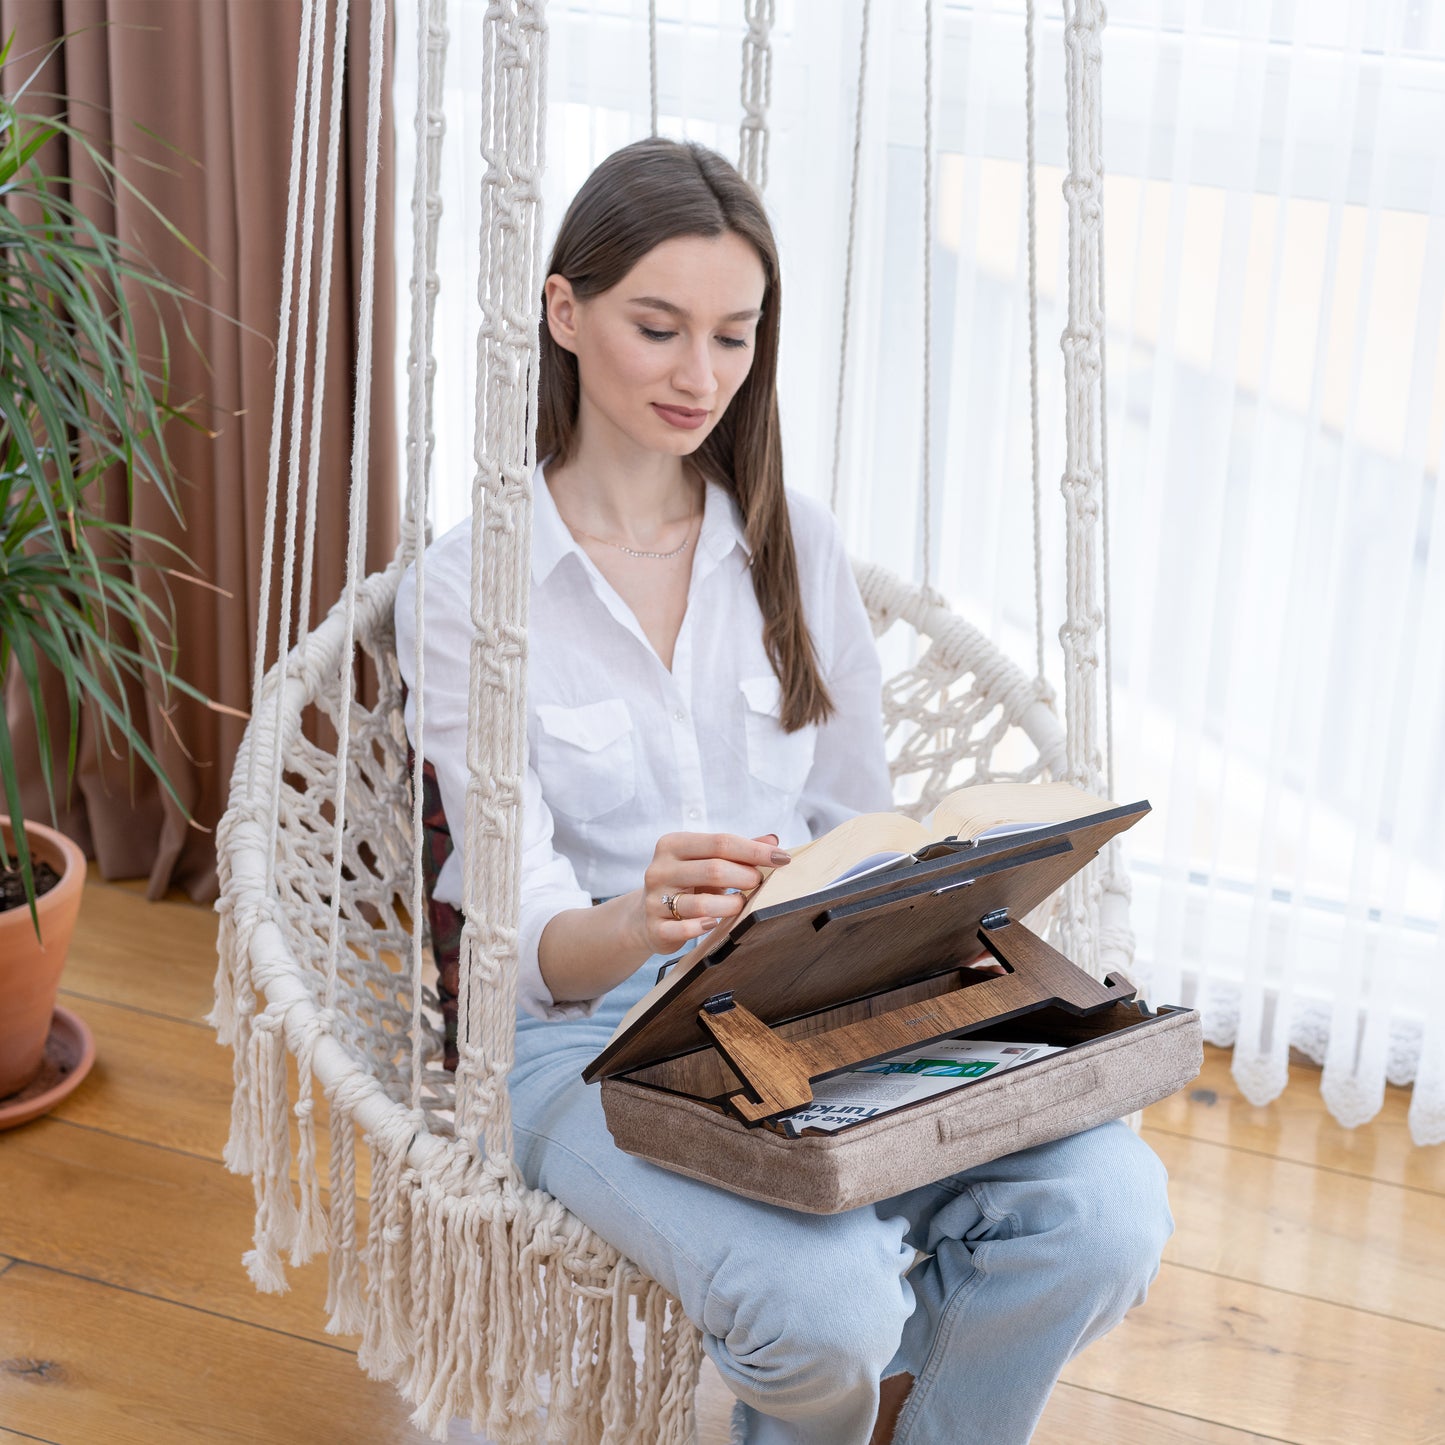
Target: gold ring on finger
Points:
(670, 899)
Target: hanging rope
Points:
(310, 377)
(652, 60)
(323, 308)
(1116, 933)
(848, 254)
(757, 92)
(1031, 183)
(514, 78)
(1116, 846)
(429, 127)
(1082, 480)
(311, 1224)
(283, 352)
(927, 294)
(426, 207)
(311, 167)
(360, 472)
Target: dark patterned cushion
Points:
(444, 921)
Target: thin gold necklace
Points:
(637, 551)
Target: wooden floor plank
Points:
(1292, 1227)
(714, 1407)
(120, 1369)
(1259, 1360)
(1297, 1126)
(1074, 1415)
(160, 1080)
(156, 956)
(148, 1220)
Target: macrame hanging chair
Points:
(476, 1295)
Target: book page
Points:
(970, 811)
(873, 863)
(819, 864)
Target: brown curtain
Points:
(194, 100)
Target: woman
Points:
(703, 684)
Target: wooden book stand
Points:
(876, 965)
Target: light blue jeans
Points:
(1030, 1258)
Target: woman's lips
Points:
(682, 417)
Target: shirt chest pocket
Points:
(586, 758)
(780, 759)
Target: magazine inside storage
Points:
(706, 1076)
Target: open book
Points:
(878, 841)
(874, 841)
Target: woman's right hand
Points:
(694, 870)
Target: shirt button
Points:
(694, 814)
(679, 716)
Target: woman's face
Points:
(662, 353)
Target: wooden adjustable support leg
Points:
(1023, 952)
(769, 1065)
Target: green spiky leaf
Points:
(80, 404)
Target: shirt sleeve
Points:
(548, 885)
(850, 764)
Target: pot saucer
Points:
(69, 1053)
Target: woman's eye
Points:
(656, 335)
(733, 343)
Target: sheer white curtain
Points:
(1275, 289)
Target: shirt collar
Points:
(552, 540)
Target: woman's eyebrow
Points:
(656, 303)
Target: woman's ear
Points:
(561, 312)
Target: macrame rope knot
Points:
(270, 1021)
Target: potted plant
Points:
(82, 410)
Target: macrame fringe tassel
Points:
(681, 1367)
(652, 1313)
(619, 1399)
(514, 1358)
(563, 1415)
(231, 1017)
(390, 1248)
(275, 1209)
(345, 1309)
(428, 1246)
(239, 1155)
(222, 1016)
(312, 1229)
(476, 1289)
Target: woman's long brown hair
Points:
(639, 197)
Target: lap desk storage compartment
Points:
(699, 1075)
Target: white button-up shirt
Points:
(620, 749)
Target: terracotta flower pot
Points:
(30, 967)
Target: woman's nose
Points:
(694, 374)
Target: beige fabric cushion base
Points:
(1086, 1085)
